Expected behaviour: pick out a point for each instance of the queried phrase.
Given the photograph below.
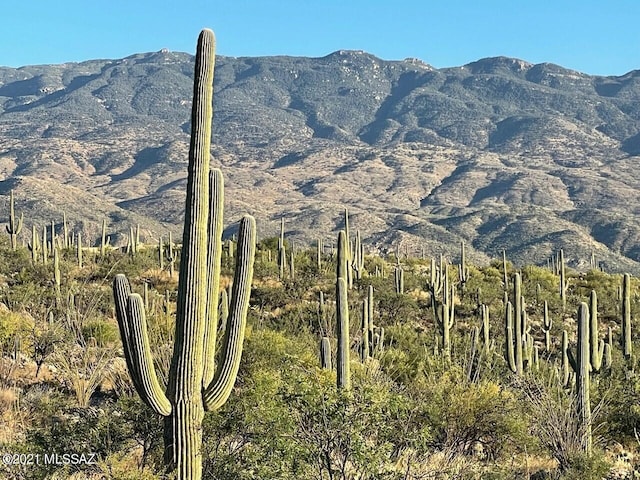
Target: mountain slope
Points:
(499, 152)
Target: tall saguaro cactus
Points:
(626, 315)
(564, 283)
(342, 313)
(581, 364)
(546, 327)
(14, 227)
(194, 382)
(518, 341)
(104, 240)
(463, 269)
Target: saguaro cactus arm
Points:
(137, 350)
(214, 255)
(151, 391)
(220, 388)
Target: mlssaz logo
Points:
(70, 459)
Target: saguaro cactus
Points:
(513, 328)
(56, 274)
(626, 315)
(546, 327)
(79, 249)
(282, 253)
(104, 240)
(65, 231)
(14, 228)
(564, 283)
(342, 314)
(325, 353)
(34, 245)
(45, 252)
(349, 252)
(518, 342)
(444, 312)
(194, 382)
(463, 269)
(171, 256)
(505, 277)
(599, 351)
(485, 328)
(581, 364)
(399, 280)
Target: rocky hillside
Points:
(499, 152)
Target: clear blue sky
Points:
(597, 37)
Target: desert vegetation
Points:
(260, 359)
(398, 369)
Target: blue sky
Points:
(596, 37)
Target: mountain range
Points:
(500, 153)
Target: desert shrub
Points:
(105, 333)
(396, 309)
(270, 297)
(12, 261)
(403, 358)
(146, 431)
(558, 428)
(465, 416)
(621, 388)
(124, 466)
(265, 269)
(83, 368)
(59, 428)
(13, 325)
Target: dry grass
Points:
(10, 421)
(83, 369)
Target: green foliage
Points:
(12, 325)
(464, 415)
(62, 429)
(587, 467)
(409, 413)
(105, 333)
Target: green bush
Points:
(105, 333)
